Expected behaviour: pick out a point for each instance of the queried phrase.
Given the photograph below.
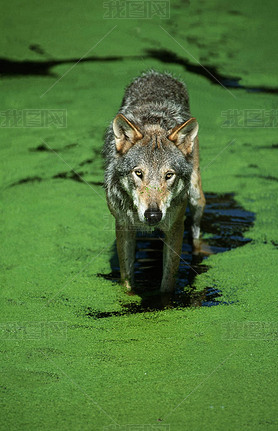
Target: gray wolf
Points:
(152, 170)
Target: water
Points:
(223, 225)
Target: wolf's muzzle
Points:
(153, 216)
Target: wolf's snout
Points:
(153, 216)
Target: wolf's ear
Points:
(126, 134)
(183, 136)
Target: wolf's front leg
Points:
(196, 203)
(126, 254)
(171, 254)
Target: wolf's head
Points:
(154, 165)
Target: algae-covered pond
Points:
(78, 353)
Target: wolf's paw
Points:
(128, 285)
(201, 247)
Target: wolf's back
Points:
(152, 98)
(156, 88)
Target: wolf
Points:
(152, 171)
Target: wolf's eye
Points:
(139, 173)
(169, 175)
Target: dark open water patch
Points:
(27, 180)
(44, 148)
(208, 71)
(68, 175)
(224, 224)
(263, 177)
(16, 68)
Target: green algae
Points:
(196, 368)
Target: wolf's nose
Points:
(153, 216)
